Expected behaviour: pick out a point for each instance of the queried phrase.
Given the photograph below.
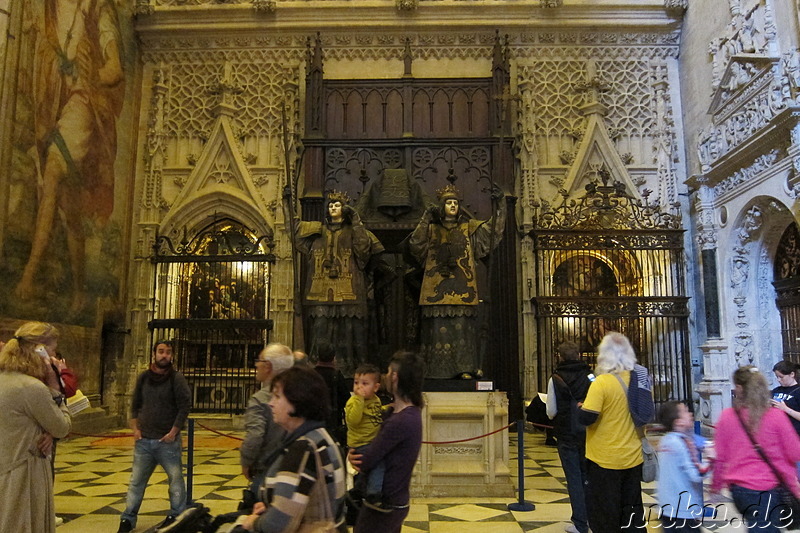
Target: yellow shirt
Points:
(363, 418)
(611, 441)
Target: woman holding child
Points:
(744, 432)
(396, 446)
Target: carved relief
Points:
(743, 349)
(743, 175)
(752, 32)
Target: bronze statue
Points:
(337, 252)
(446, 242)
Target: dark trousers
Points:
(615, 499)
(572, 453)
(757, 508)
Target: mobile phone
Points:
(42, 351)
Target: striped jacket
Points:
(288, 491)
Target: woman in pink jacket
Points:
(739, 464)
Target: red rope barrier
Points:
(212, 430)
(75, 434)
(471, 438)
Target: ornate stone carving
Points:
(743, 349)
(550, 3)
(458, 450)
(143, 7)
(746, 174)
(676, 5)
(706, 227)
(407, 5)
(265, 6)
(753, 32)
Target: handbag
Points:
(790, 519)
(649, 455)
(326, 521)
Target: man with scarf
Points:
(161, 402)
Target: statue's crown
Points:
(338, 196)
(448, 191)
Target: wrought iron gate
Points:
(212, 300)
(608, 262)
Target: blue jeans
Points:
(374, 476)
(148, 453)
(573, 462)
(756, 507)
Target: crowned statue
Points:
(337, 252)
(446, 243)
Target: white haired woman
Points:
(32, 405)
(613, 448)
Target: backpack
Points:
(640, 396)
(575, 427)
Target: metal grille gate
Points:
(212, 300)
(607, 262)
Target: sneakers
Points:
(125, 526)
(169, 520)
(374, 502)
(571, 529)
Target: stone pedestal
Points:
(474, 468)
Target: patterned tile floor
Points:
(92, 475)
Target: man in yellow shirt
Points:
(613, 448)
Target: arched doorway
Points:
(786, 277)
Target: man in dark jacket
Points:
(566, 390)
(161, 402)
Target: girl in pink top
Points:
(740, 467)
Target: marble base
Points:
(474, 468)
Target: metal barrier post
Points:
(190, 461)
(521, 504)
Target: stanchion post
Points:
(190, 462)
(521, 504)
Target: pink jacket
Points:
(738, 463)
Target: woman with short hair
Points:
(288, 500)
(32, 405)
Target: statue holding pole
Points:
(447, 242)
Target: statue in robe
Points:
(337, 253)
(447, 242)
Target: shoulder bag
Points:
(649, 455)
(788, 499)
(326, 521)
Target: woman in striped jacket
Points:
(289, 500)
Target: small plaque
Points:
(484, 385)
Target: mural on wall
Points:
(63, 244)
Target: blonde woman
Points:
(33, 406)
(749, 469)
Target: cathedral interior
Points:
(628, 166)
